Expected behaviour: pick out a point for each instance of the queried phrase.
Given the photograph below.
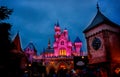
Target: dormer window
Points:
(62, 42)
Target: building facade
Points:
(18, 57)
(103, 44)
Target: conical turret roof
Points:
(98, 19)
(77, 40)
(31, 47)
(17, 42)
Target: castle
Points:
(61, 54)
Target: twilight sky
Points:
(35, 19)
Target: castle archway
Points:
(62, 65)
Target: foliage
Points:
(10, 60)
(4, 37)
(5, 12)
(5, 43)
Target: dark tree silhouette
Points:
(9, 61)
(4, 37)
(5, 12)
(5, 42)
(10, 58)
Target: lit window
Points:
(62, 52)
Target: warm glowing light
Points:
(117, 70)
(71, 62)
(51, 62)
(29, 65)
(25, 71)
(63, 52)
(62, 66)
(82, 57)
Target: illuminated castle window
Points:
(62, 52)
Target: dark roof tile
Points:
(77, 40)
(98, 19)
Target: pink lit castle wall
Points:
(62, 45)
(30, 52)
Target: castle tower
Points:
(62, 45)
(66, 33)
(57, 31)
(77, 44)
(49, 46)
(103, 44)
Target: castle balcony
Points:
(78, 44)
(58, 57)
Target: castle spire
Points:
(98, 7)
(99, 18)
(17, 42)
(49, 44)
(69, 38)
(57, 24)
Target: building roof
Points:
(65, 29)
(69, 38)
(17, 42)
(98, 19)
(77, 40)
(57, 24)
(49, 50)
(31, 47)
(49, 43)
